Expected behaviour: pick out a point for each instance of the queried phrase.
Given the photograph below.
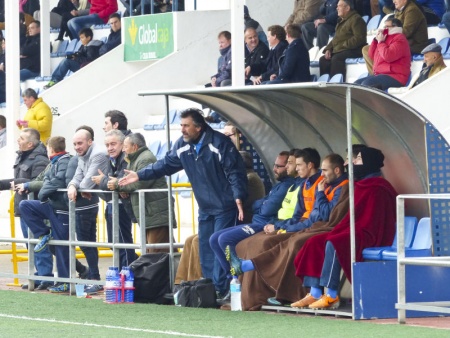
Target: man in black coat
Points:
(256, 53)
(294, 63)
(30, 53)
(115, 37)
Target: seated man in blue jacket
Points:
(294, 63)
(265, 210)
(115, 37)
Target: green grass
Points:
(157, 319)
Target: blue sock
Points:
(315, 292)
(332, 293)
(247, 265)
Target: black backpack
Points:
(197, 293)
(151, 278)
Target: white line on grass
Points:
(171, 333)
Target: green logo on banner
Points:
(148, 37)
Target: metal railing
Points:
(402, 261)
(73, 243)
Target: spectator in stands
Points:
(255, 54)
(30, 53)
(38, 115)
(255, 187)
(79, 8)
(278, 204)
(322, 27)
(31, 160)
(22, 29)
(88, 52)
(99, 13)
(294, 63)
(115, 37)
(347, 42)
(304, 11)
(392, 58)
(28, 7)
(223, 76)
(414, 28)
(213, 164)
(156, 220)
(2, 131)
(90, 158)
(114, 143)
(52, 206)
(316, 262)
(433, 64)
(251, 23)
(277, 43)
(276, 276)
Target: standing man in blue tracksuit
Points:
(219, 181)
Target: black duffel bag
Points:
(151, 278)
(197, 293)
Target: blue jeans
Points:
(331, 271)
(64, 66)
(207, 225)
(126, 255)
(26, 74)
(382, 82)
(86, 229)
(43, 261)
(80, 22)
(446, 20)
(231, 236)
(34, 213)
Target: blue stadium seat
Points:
(61, 49)
(154, 147)
(351, 61)
(444, 43)
(338, 78)
(324, 78)
(374, 254)
(365, 18)
(313, 78)
(162, 125)
(365, 74)
(420, 247)
(71, 47)
(163, 150)
(374, 22)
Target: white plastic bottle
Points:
(235, 290)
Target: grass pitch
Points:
(37, 314)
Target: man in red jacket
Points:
(319, 261)
(391, 56)
(98, 15)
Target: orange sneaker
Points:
(326, 303)
(304, 302)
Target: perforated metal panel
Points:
(438, 155)
(258, 164)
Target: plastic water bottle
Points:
(235, 290)
(110, 293)
(128, 284)
(117, 285)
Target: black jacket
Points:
(28, 165)
(32, 50)
(114, 39)
(272, 66)
(89, 53)
(294, 63)
(256, 58)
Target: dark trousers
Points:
(86, 229)
(125, 236)
(322, 32)
(208, 225)
(336, 65)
